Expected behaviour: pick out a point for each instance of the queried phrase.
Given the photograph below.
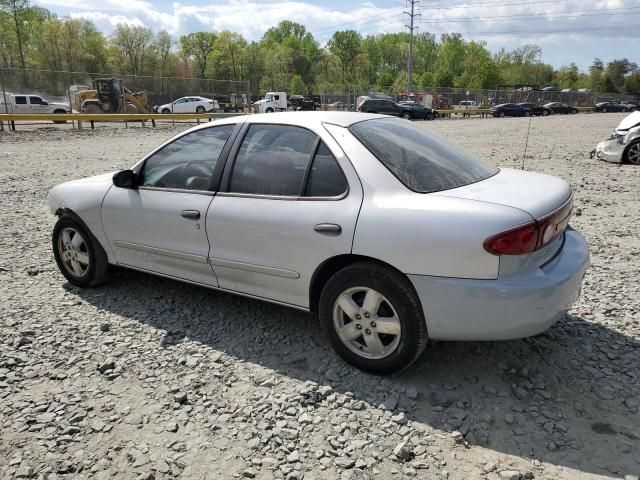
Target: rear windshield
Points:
(421, 160)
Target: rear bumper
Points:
(516, 306)
(610, 150)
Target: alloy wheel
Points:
(633, 154)
(366, 322)
(73, 252)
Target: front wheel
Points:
(269, 110)
(501, 114)
(574, 112)
(373, 318)
(632, 154)
(527, 114)
(430, 116)
(604, 110)
(545, 113)
(79, 256)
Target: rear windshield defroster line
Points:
(422, 161)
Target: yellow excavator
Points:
(110, 96)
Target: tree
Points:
(17, 8)
(346, 46)
(228, 50)
(198, 45)
(632, 84)
(297, 86)
(130, 44)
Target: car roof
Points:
(303, 119)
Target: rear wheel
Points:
(373, 318)
(545, 113)
(406, 115)
(501, 114)
(269, 110)
(200, 109)
(527, 114)
(79, 256)
(430, 116)
(604, 110)
(59, 112)
(574, 111)
(632, 154)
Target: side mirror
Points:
(125, 179)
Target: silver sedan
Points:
(389, 234)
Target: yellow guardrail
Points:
(11, 118)
(470, 111)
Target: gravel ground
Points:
(150, 378)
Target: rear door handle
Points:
(328, 228)
(190, 214)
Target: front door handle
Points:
(328, 228)
(191, 214)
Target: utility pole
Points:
(412, 15)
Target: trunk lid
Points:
(535, 193)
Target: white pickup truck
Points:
(24, 103)
(467, 105)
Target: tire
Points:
(200, 109)
(430, 116)
(60, 112)
(269, 110)
(545, 113)
(527, 114)
(501, 114)
(632, 154)
(397, 300)
(166, 110)
(85, 248)
(604, 110)
(406, 115)
(574, 112)
(91, 109)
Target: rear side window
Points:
(325, 177)
(272, 160)
(21, 100)
(422, 161)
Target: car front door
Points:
(180, 106)
(36, 105)
(289, 200)
(160, 226)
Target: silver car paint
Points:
(431, 237)
(267, 246)
(627, 131)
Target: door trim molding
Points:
(250, 267)
(189, 257)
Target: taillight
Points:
(523, 239)
(531, 236)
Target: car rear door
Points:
(21, 104)
(159, 226)
(289, 200)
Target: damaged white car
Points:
(624, 145)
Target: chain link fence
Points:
(345, 97)
(54, 86)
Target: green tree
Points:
(346, 46)
(632, 84)
(297, 86)
(130, 46)
(198, 46)
(17, 10)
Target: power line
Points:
(487, 4)
(543, 16)
(560, 30)
(357, 22)
(412, 15)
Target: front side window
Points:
(272, 160)
(35, 100)
(325, 177)
(422, 161)
(188, 162)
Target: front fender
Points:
(84, 199)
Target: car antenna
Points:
(526, 142)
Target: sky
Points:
(567, 30)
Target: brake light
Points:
(531, 236)
(523, 239)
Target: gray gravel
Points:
(150, 378)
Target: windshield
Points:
(421, 160)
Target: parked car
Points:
(390, 234)
(300, 102)
(467, 105)
(190, 105)
(550, 89)
(624, 145)
(559, 107)
(388, 107)
(32, 104)
(536, 109)
(420, 111)
(337, 105)
(631, 106)
(510, 110)
(605, 107)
